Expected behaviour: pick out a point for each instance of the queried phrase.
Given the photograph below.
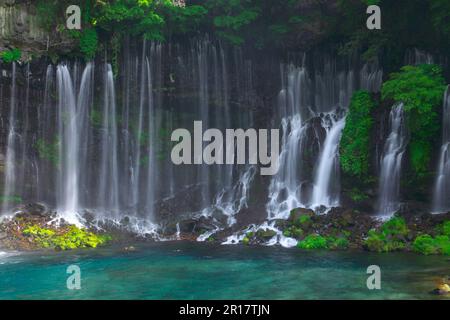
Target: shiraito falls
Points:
(210, 150)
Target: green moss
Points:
(73, 238)
(48, 151)
(293, 232)
(304, 221)
(246, 241)
(96, 118)
(357, 196)
(313, 241)
(355, 143)
(11, 199)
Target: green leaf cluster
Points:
(12, 55)
(355, 141)
(440, 244)
(420, 88)
(390, 236)
(73, 238)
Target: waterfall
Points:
(312, 125)
(10, 161)
(68, 145)
(391, 163)
(72, 135)
(108, 191)
(441, 200)
(326, 186)
(285, 188)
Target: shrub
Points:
(395, 227)
(390, 237)
(72, 238)
(426, 244)
(339, 243)
(12, 55)
(313, 241)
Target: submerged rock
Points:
(442, 290)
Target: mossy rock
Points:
(295, 214)
(70, 237)
(265, 234)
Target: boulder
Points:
(297, 213)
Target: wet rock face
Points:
(19, 28)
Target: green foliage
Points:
(183, 20)
(313, 241)
(12, 55)
(72, 238)
(395, 227)
(47, 11)
(10, 199)
(446, 228)
(426, 244)
(304, 221)
(37, 231)
(390, 236)
(230, 17)
(293, 232)
(79, 238)
(129, 17)
(440, 10)
(420, 88)
(357, 196)
(340, 243)
(48, 151)
(89, 43)
(43, 237)
(96, 118)
(355, 142)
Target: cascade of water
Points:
(45, 180)
(441, 201)
(285, 188)
(84, 132)
(135, 171)
(67, 189)
(327, 185)
(152, 163)
(10, 159)
(109, 185)
(391, 163)
(72, 115)
(303, 135)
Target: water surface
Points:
(202, 271)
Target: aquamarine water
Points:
(181, 270)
